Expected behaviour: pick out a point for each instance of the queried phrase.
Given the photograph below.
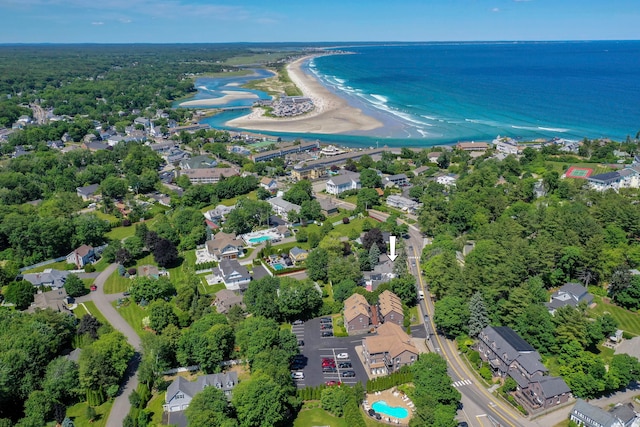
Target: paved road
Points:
(121, 405)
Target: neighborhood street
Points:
(121, 405)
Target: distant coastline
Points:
(331, 115)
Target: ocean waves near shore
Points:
(477, 91)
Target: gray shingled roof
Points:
(624, 413)
(345, 178)
(583, 411)
(605, 178)
(225, 381)
(552, 386)
(228, 266)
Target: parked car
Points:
(326, 326)
(300, 343)
(326, 320)
(329, 369)
(332, 382)
(329, 363)
(349, 374)
(342, 356)
(327, 333)
(297, 375)
(298, 322)
(344, 365)
(328, 359)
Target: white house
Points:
(234, 276)
(403, 203)
(281, 207)
(344, 182)
(81, 256)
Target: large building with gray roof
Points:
(510, 355)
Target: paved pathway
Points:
(121, 405)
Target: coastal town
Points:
(180, 274)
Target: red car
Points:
(94, 288)
(330, 383)
(331, 364)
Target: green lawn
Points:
(627, 320)
(413, 315)
(77, 414)
(155, 407)
(116, 283)
(91, 309)
(211, 289)
(178, 275)
(106, 217)
(317, 417)
(61, 265)
(133, 314)
(312, 415)
(120, 233)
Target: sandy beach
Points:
(331, 114)
(229, 95)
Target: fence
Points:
(40, 264)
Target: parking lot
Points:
(316, 348)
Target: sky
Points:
(201, 21)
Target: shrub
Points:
(474, 358)
(132, 271)
(126, 222)
(89, 268)
(345, 220)
(485, 372)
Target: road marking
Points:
(462, 382)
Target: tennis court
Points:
(578, 172)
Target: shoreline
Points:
(331, 114)
(228, 96)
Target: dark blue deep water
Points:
(442, 93)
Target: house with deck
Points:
(389, 350)
(235, 277)
(225, 246)
(509, 355)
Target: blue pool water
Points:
(278, 266)
(391, 411)
(259, 239)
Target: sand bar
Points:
(229, 95)
(331, 114)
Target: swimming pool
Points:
(277, 266)
(391, 411)
(259, 239)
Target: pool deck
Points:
(393, 398)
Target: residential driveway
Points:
(316, 348)
(121, 405)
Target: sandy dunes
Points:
(229, 95)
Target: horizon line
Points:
(396, 42)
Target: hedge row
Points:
(403, 376)
(311, 393)
(205, 265)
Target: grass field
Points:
(77, 414)
(317, 417)
(120, 233)
(90, 309)
(116, 283)
(155, 407)
(133, 314)
(61, 265)
(178, 275)
(627, 320)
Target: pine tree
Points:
(478, 318)
(374, 255)
(400, 265)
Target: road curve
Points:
(121, 405)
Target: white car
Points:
(420, 295)
(342, 356)
(297, 375)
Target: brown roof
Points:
(472, 146)
(220, 240)
(266, 180)
(83, 250)
(388, 302)
(354, 306)
(390, 339)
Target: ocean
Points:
(439, 93)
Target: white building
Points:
(345, 181)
